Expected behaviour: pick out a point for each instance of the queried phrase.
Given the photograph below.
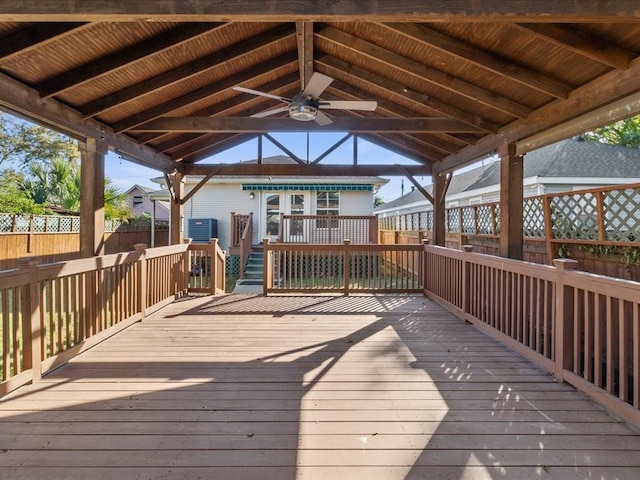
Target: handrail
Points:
(582, 327)
(328, 228)
(49, 313)
(246, 241)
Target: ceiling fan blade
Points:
(317, 84)
(322, 119)
(349, 105)
(270, 112)
(262, 94)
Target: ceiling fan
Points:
(306, 106)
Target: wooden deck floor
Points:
(244, 387)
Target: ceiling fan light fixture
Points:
(303, 113)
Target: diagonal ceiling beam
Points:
(27, 103)
(348, 10)
(402, 146)
(304, 37)
(123, 58)
(376, 81)
(203, 92)
(423, 72)
(263, 125)
(249, 105)
(36, 36)
(209, 145)
(184, 72)
(618, 85)
(581, 43)
(481, 58)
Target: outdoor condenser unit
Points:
(202, 229)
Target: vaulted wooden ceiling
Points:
(453, 80)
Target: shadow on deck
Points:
(284, 387)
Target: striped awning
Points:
(322, 187)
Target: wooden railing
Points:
(206, 268)
(238, 226)
(342, 268)
(328, 229)
(52, 312)
(582, 327)
(246, 241)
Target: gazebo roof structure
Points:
(453, 81)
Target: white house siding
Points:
(206, 204)
(356, 203)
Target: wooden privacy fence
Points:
(50, 313)
(584, 328)
(328, 229)
(342, 268)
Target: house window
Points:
(327, 203)
(137, 201)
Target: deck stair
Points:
(254, 269)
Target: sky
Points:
(125, 174)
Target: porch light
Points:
(252, 195)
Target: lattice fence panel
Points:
(485, 220)
(468, 222)
(574, 216)
(453, 220)
(533, 218)
(622, 214)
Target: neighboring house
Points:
(269, 197)
(140, 202)
(572, 164)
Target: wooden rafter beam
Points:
(481, 58)
(401, 146)
(36, 36)
(251, 104)
(341, 124)
(197, 95)
(124, 58)
(208, 148)
(296, 170)
(581, 43)
(418, 98)
(304, 37)
(214, 60)
(289, 10)
(26, 102)
(443, 142)
(586, 101)
(408, 67)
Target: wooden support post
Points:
(425, 242)
(439, 193)
(563, 327)
(92, 154)
(511, 196)
(142, 282)
(347, 256)
(177, 209)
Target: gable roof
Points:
(452, 82)
(571, 158)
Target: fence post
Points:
(346, 261)
(32, 332)
(563, 326)
(425, 242)
(466, 280)
(548, 228)
(213, 248)
(142, 282)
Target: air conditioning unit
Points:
(202, 229)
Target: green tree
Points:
(377, 201)
(23, 144)
(625, 133)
